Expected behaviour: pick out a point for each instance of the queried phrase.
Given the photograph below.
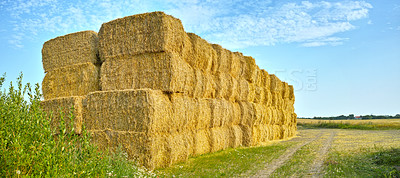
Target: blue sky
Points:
(342, 57)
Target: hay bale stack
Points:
(159, 71)
(202, 55)
(74, 48)
(62, 108)
(165, 94)
(143, 33)
(72, 80)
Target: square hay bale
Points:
(221, 62)
(147, 150)
(202, 141)
(277, 132)
(158, 71)
(276, 85)
(226, 87)
(144, 110)
(267, 97)
(73, 80)
(143, 33)
(246, 91)
(203, 54)
(291, 92)
(219, 138)
(221, 112)
(71, 49)
(204, 85)
(189, 113)
(236, 136)
(249, 68)
(179, 147)
(247, 135)
(259, 94)
(248, 115)
(60, 108)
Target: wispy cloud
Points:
(234, 23)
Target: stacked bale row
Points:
(72, 71)
(207, 99)
(167, 94)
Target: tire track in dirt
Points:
(277, 163)
(321, 156)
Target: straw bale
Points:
(73, 80)
(146, 150)
(247, 135)
(60, 108)
(221, 62)
(222, 113)
(247, 113)
(179, 147)
(276, 85)
(226, 87)
(235, 64)
(249, 67)
(236, 136)
(265, 79)
(142, 33)
(277, 132)
(157, 71)
(267, 97)
(259, 95)
(219, 138)
(189, 113)
(143, 110)
(291, 92)
(285, 90)
(201, 142)
(246, 91)
(203, 53)
(277, 100)
(71, 49)
(204, 85)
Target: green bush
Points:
(29, 147)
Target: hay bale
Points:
(203, 54)
(202, 141)
(147, 150)
(179, 147)
(144, 110)
(219, 138)
(226, 87)
(249, 68)
(276, 85)
(143, 33)
(61, 108)
(189, 113)
(248, 115)
(246, 91)
(236, 136)
(221, 62)
(291, 92)
(157, 71)
(221, 112)
(204, 85)
(73, 80)
(71, 49)
(277, 132)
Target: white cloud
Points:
(234, 23)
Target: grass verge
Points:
(227, 163)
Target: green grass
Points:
(227, 163)
(377, 162)
(28, 147)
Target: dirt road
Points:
(307, 157)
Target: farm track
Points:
(303, 139)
